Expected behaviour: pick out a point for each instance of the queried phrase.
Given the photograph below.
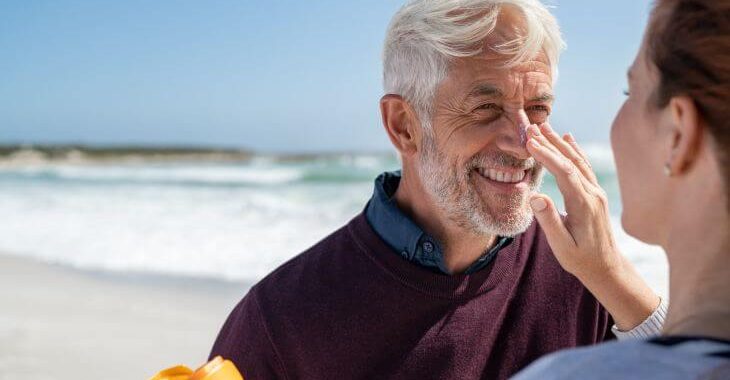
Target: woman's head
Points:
(672, 135)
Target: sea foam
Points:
(234, 221)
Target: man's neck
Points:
(461, 247)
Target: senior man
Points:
(445, 274)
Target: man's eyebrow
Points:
(485, 90)
(544, 97)
(629, 73)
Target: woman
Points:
(671, 141)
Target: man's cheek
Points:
(537, 178)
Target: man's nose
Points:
(514, 138)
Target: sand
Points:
(60, 323)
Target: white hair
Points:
(425, 35)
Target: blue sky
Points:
(297, 76)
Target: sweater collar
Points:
(510, 262)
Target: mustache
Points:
(501, 161)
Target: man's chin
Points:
(509, 221)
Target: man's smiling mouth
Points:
(512, 176)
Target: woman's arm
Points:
(583, 241)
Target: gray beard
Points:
(453, 191)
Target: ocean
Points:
(235, 221)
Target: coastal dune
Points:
(60, 323)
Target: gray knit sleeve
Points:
(651, 327)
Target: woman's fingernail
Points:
(570, 136)
(538, 204)
(534, 143)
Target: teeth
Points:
(500, 176)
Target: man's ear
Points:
(686, 134)
(400, 123)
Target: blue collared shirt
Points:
(407, 238)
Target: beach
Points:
(60, 323)
(118, 267)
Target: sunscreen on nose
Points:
(523, 133)
(216, 369)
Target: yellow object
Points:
(216, 369)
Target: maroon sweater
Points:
(352, 308)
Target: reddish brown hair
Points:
(689, 43)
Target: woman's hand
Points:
(583, 241)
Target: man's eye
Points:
(626, 93)
(539, 108)
(488, 106)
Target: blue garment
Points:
(407, 238)
(665, 358)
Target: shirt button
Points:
(428, 247)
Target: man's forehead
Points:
(498, 62)
(487, 73)
(538, 93)
(482, 78)
(493, 65)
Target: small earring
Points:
(667, 170)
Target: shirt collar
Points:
(398, 230)
(405, 236)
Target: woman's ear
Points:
(401, 123)
(686, 134)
